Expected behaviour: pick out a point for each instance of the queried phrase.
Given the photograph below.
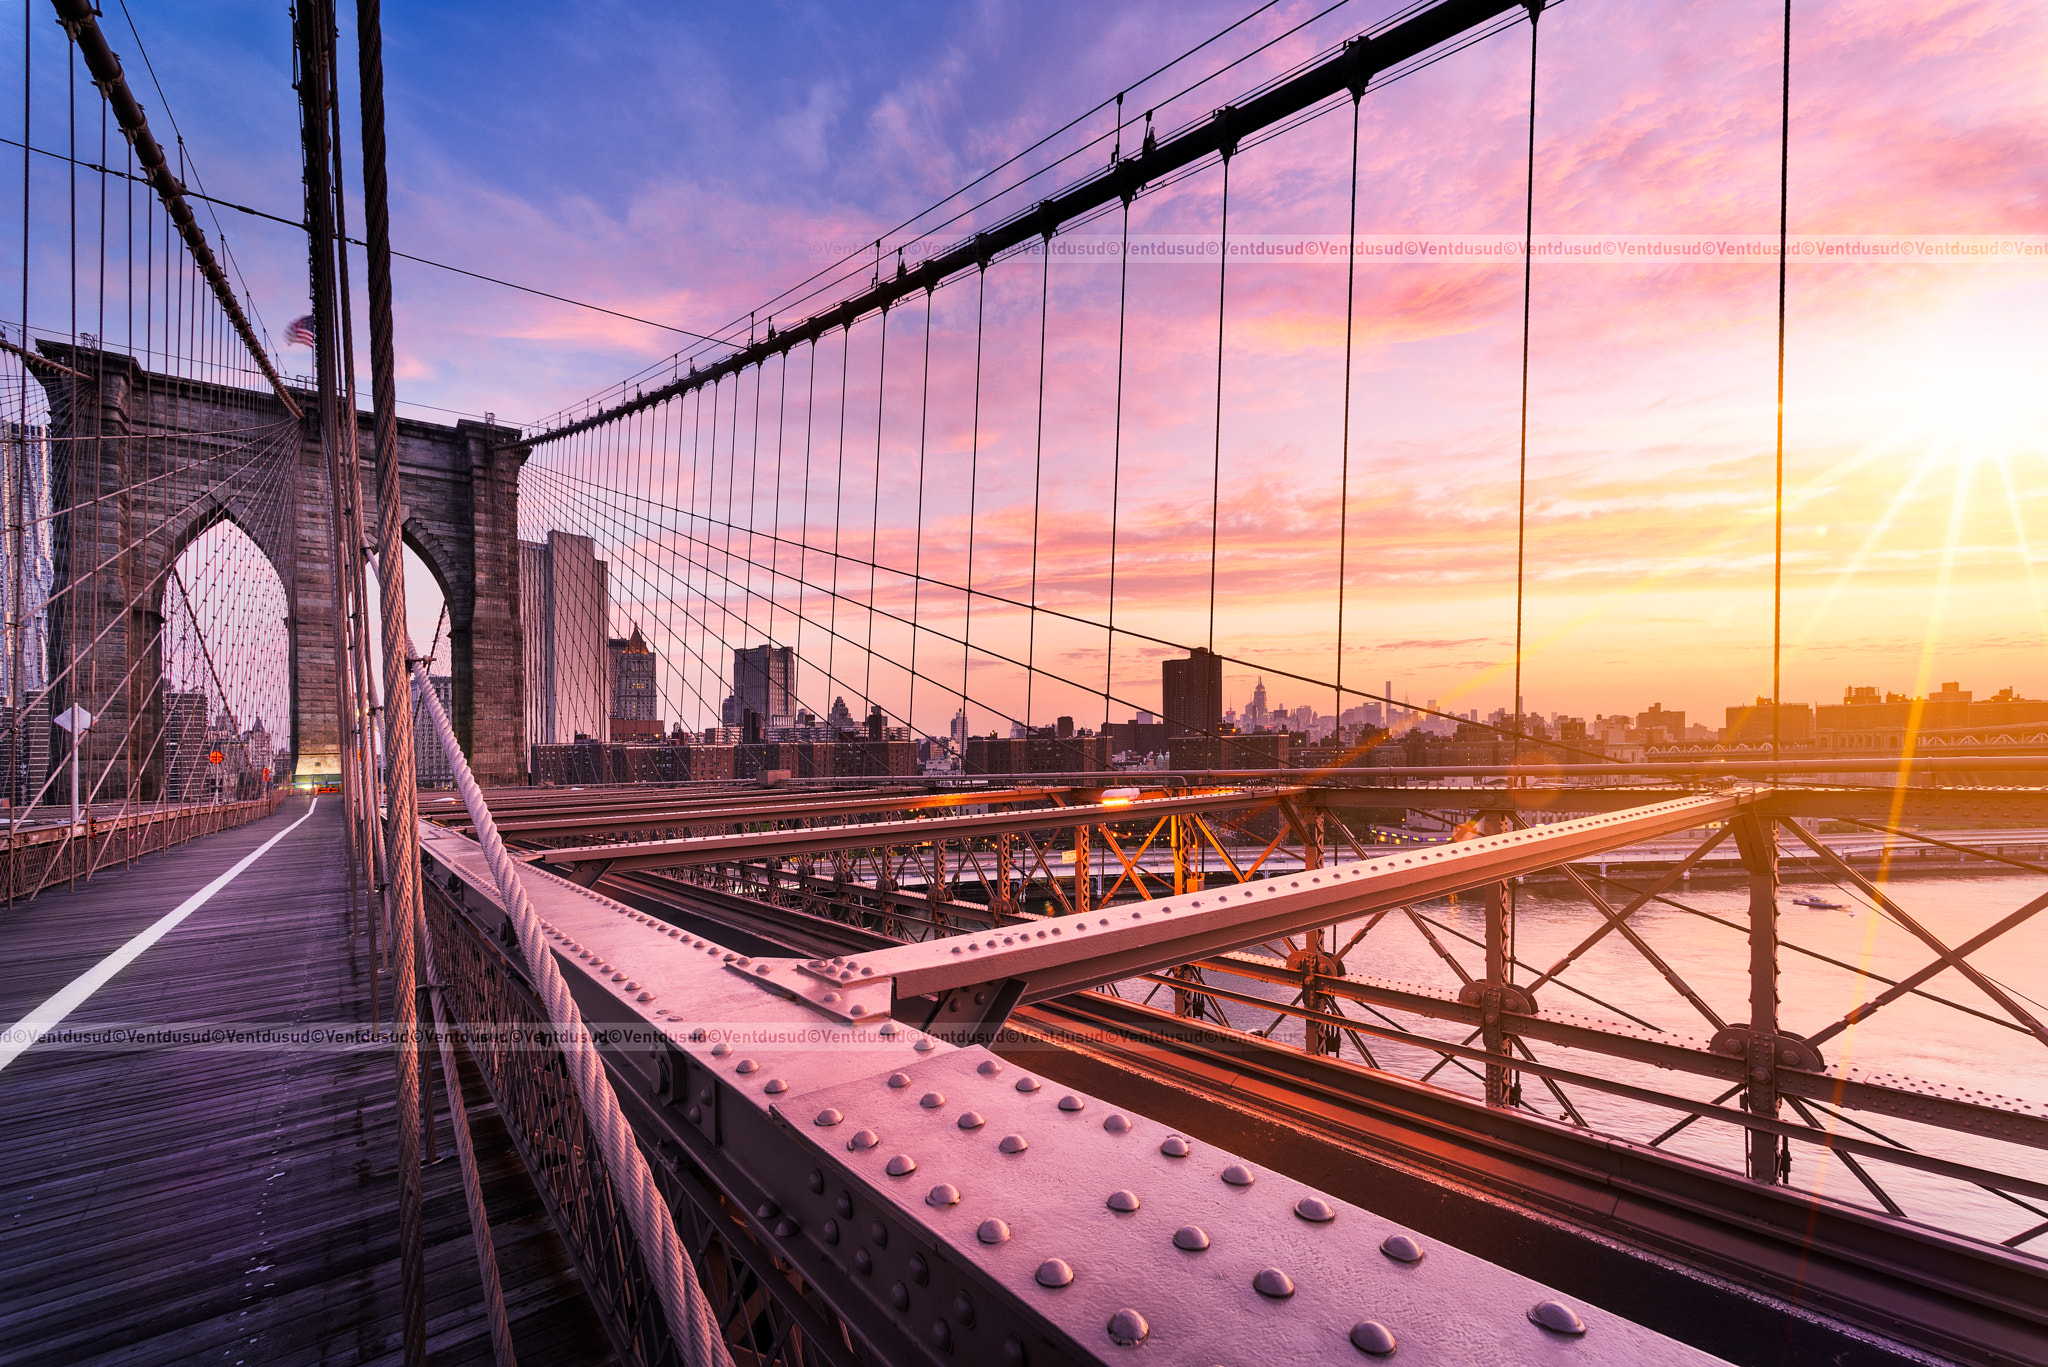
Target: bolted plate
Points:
(1451, 1308)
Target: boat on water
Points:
(1810, 900)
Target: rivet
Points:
(1315, 1210)
(1127, 1328)
(878, 1235)
(931, 1101)
(1557, 1317)
(902, 1165)
(1401, 1248)
(924, 1046)
(856, 1010)
(888, 1028)
(1055, 1272)
(1072, 1103)
(1013, 1143)
(942, 1336)
(747, 1065)
(1373, 1337)
(829, 999)
(920, 1272)
(1274, 1283)
(632, 987)
(867, 972)
(844, 1205)
(646, 996)
(899, 1295)
(697, 1035)
(972, 1121)
(785, 1228)
(775, 1086)
(1117, 1124)
(1238, 1175)
(990, 1067)
(830, 1231)
(863, 1261)
(963, 1309)
(1027, 1084)
(1173, 1146)
(1190, 1239)
(744, 962)
(899, 1079)
(817, 1182)
(993, 1231)
(720, 1049)
(694, 1114)
(942, 1195)
(827, 1118)
(863, 1139)
(1124, 1201)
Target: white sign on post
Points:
(74, 719)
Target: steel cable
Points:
(686, 1307)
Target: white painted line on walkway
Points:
(39, 1022)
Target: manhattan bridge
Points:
(369, 1002)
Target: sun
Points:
(1967, 404)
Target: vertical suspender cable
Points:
(973, 492)
(839, 500)
(1037, 479)
(924, 412)
(803, 539)
(401, 786)
(1216, 470)
(1522, 467)
(1116, 445)
(1778, 493)
(1344, 456)
(1522, 461)
(875, 515)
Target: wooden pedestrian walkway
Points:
(235, 1200)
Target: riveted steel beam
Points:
(718, 849)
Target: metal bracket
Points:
(1519, 1000)
(967, 1015)
(1789, 1051)
(835, 987)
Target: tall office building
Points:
(431, 768)
(1191, 693)
(634, 700)
(565, 607)
(764, 683)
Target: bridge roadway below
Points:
(210, 1204)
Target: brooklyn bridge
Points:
(673, 881)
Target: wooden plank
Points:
(195, 1203)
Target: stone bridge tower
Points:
(197, 454)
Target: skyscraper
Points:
(763, 682)
(565, 601)
(1191, 693)
(634, 701)
(431, 768)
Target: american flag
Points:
(300, 333)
